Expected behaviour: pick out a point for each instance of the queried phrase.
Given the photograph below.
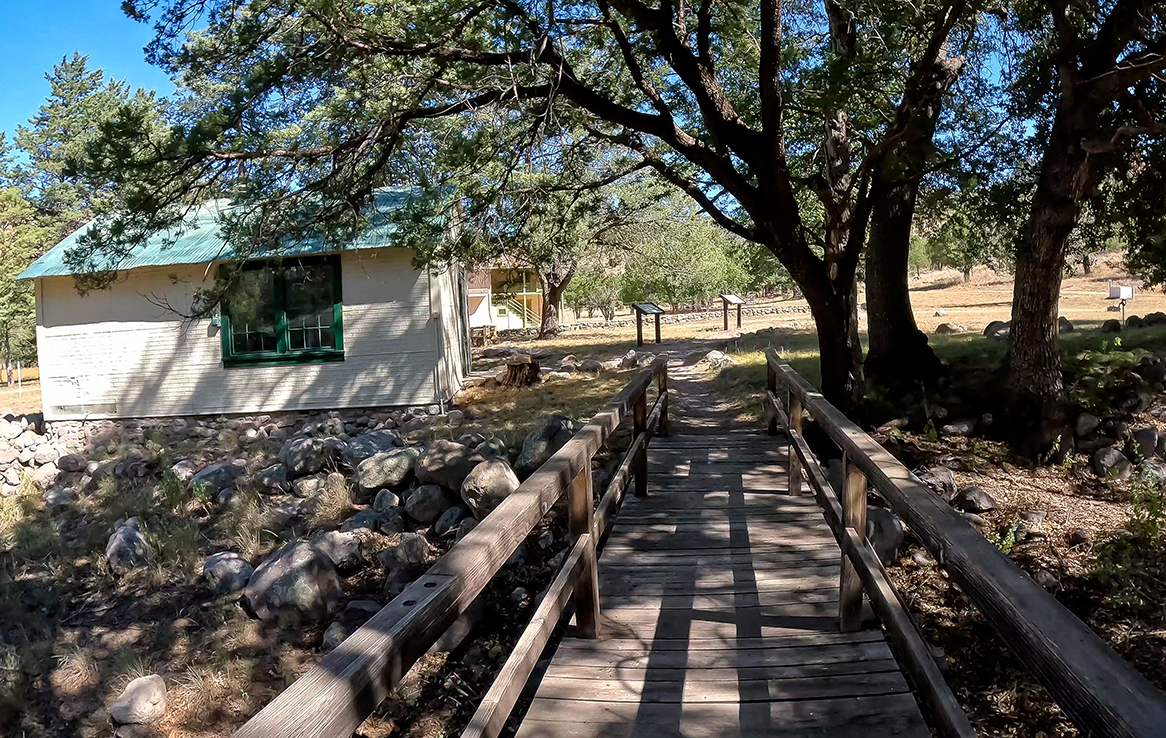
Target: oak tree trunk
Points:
(1037, 402)
(553, 290)
(835, 314)
(898, 354)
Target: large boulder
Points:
(446, 464)
(542, 442)
(412, 549)
(591, 366)
(127, 547)
(298, 577)
(426, 503)
(216, 477)
(1144, 441)
(368, 444)
(1152, 369)
(1111, 464)
(884, 530)
(226, 572)
(273, 478)
(305, 455)
(1086, 423)
(940, 480)
(354, 615)
(973, 499)
(997, 329)
(387, 469)
(71, 463)
(485, 488)
(142, 701)
(628, 361)
(1134, 322)
(1151, 319)
(1112, 325)
(1064, 325)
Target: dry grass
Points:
(333, 504)
(26, 399)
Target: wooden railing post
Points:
(771, 386)
(662, 388)
(853, 494)
(639, 425)
(580, 512)
(795, 428)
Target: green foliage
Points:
(596, 287)
(1127, 564)
(691, 260)
(22, 237)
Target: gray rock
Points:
(1145, 440)
(308, 455)
(485, 488)
(56, 497)
(216, 476)
(273, 478)
(472, 440)
(1152, 370)
(399, 577)
(628, 361)
(1152, 470)
(455, 417)
(884, 530)
(940, 480)
(369, 444)
(998, 330)
(1080, 537)
(342, 548)
(72, 463)
(644, 360)
(1033, 517)
(226, 572)
(541, 443)
(1113, 325)
(364, 520)
(1111, 463)
(964, 427)
(46, 476)
(426, 503)
(387, 469)
(306, 487)
(1064, 325)
(446, 464)
(1086, 424)
(591, 366)
(1156, 318)
(546, 539)
(1046, 579)
(464, 528)
(354, 615)
(450, 519)
(1134, 322)
(411, 549)
(45, 454)
(385, 501)
(127, 547)
(142, 701)
(945, 329)
(973, 499)
(298, 577)
(492, 448)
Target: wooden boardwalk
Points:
(719, 597)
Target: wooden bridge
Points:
(718, 600)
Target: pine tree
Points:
(79, 101)
(22, 235)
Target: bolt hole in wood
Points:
(430, 585)
(409, 603)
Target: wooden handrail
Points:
(335, 696)
(1101, 693)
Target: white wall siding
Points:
(114, 353)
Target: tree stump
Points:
(521, 371)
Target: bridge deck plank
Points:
(719, 598)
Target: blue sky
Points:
(35, 35)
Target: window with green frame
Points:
(284, 311)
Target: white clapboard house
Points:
(318, 328)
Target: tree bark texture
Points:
(553, 285)
(1037, 402)
(899, 355)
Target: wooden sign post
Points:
(642, 309)
(728, 300)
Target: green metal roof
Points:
(198, 240)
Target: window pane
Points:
(308, 301)
(251, 305)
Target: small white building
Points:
(315, 329)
